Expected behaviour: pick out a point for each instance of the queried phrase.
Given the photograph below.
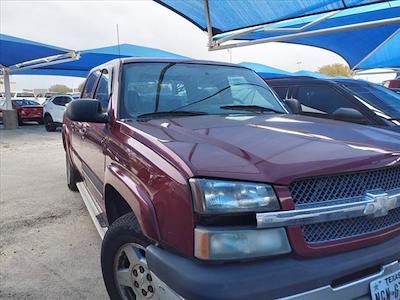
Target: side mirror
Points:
(349, 115)
(86, 110)
(294, 105)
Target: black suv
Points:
(349, 100)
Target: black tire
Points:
(41, 122)
(20, 122)
(125, 230)
(49, 123)
(72, 175)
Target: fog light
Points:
(228, 244)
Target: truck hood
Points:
(267, 148)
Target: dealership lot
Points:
(49, 248)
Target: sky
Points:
(88, 24)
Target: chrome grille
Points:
(345, 188)
(350, 228)
(331, 188)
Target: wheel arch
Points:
(122, 195)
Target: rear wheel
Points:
(72, 175)
(123, 261)
(49, 123)
(41, 122)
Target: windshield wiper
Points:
(255, 108)
(177, 113)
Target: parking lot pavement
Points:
(49, 248)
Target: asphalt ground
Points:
(49, 247)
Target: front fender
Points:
(136, 197)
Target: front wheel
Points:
(49, 124)
(123, 261)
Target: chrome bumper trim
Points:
(375, 204)
(358, 289)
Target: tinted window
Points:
(102, 91)
(90, 85)
(155, 87)
(377, 98)
(321, 99)
(282, 91)
(61, 101)
(25, 103)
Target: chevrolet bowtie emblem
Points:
(379, 204)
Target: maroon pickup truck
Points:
(204, 187)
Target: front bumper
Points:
(293, 277)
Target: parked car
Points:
(27, 110)
(74, 95)
(206, 188)
(349, 100)
(43, 97)
(23, 95)
(54, 110)
(393, 84)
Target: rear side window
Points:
(90, 84)
(282, 91)
(321, 100)
(61, 101)
(103, 89)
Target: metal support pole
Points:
(10, 116)
(209, 26)
(7, 89)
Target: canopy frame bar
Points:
(380, 46)
(45, 61)
(266, 29)
(215, 45)
(32, 64)
(384, 71)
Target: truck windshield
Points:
(378, 98)
(151, 88)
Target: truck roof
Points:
(125, 60)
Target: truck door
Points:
(80, 151)
(93, 138)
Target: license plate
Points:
(386, 288)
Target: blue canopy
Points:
(386, 57)
(16, 50)
(353, 45)
(229, 15)
(94, 57)
(266, 71)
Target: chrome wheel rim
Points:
(131, 273)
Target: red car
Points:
(28, 110)
(393, 84)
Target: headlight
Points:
(228, 244)
(220, 196)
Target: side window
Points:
(59, 101)
(321, 100)
(66, 100)
(103, 89)
(282, 91)
(90, 84)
